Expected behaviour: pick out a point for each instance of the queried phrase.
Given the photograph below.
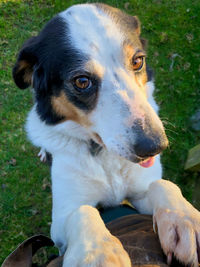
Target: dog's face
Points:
(87, 66)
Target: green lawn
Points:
(172, 27)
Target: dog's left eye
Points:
(137, 63)
(82, 83)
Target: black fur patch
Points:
(54, 61)
(85, 100)
(94, 148)
(150, 74)
(49, 159)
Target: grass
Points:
(172, 27)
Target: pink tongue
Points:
(147, 163)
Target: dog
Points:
(95, 113)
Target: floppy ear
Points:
(144, 43)
(23, 69)
(137, 25)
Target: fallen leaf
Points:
(13, 162)
(126, 5)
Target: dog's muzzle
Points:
(150, 140)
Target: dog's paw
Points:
(108, 252)
(42, 155)
(179, 235)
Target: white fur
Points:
(79, 180)
(120, 101)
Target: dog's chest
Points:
(105, 178)
(100, 179)
(116, 180)
(121, 178)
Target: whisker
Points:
(172, 131)
(165, 121)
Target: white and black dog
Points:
(95, 113)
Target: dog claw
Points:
(169, 258)
(42, 155)
(155, 227)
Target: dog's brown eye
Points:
(82, 83)
(137, 63)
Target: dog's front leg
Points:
(77, 228)
(175, 219)
(89, 243)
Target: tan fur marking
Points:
(28, 76)
(141, 79)
(63, 107)
(28, 71)
(137, 25)
(129, 51)
(23, 64)
(93, 66)
(144, 77)
(98, 139)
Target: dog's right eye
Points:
(138, 63)
(82, 83)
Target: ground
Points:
(172, 29)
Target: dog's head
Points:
(87, 66)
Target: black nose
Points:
(150, 140)
(148, 147)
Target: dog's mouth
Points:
(147, 163)
(144, 162)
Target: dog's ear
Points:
(144, 43)
(24, 67)
(137, 25)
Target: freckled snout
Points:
(150, 139)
